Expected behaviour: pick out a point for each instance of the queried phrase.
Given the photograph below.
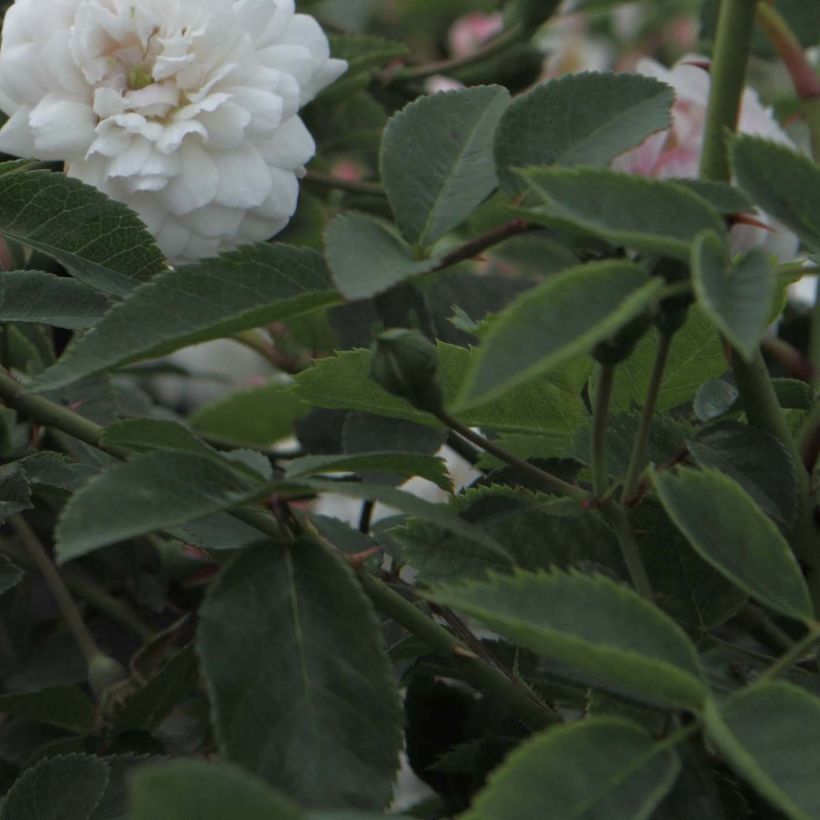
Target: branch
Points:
(495, 46)
(476, 671)
(552, 482)
(481, 243)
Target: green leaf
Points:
(217, 532)
(53, 475)
(770, 733)
(410, 504)
(246, 288)
(194, 790)
(367, 257)
(696, 355)
(152, 491)
(15, 494)
(714, 399)
(596, 768)
(66, 707)
(604, 631)
(403, 465)
(99, 241)
(437, 159)
(667, 439)
(695, 795)
(651, 215)
(302, 690)
(736, 296)
(147, 707)
(686, 587)
(10, 574)
(366, 433)
(57, 788)
(143, 435)
(115, 802)
(555, 322)
(754, 458)
(364, 51)
(782, 182)
(532, 536)
(717, 517)
(550, 126)
(723, 197)
(551, 403)
(35, 296)
(254, 416)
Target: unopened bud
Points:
(620, 346)
(103, 673)
(672, 310)
(404, 363)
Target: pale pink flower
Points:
(470, 32)
(676, 151)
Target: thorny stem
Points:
(728, 71)
(477, 672)
(638, 458)
(804, 75)
(807, 86)
(793, 654)
(463, 448)
(600, 415)
(481, 243)
(631, 551)
(255, 341)
(39, 557)
(365, 515)
(552, 482)
(78, 583)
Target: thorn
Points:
(704, 64)
(747, 219)
(357, 559)
(463, 652)
(196, 554)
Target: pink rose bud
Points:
(470, 32)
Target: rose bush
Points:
(187, 111)
(236, 598)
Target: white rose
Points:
(185, 110)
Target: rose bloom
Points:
(470, 32)
(676, 151)
(185, 110)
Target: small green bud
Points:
(672, 313)
(104, 673)
(404, 363)
(620, 346)
(673, 310)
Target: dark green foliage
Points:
(508, 485)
